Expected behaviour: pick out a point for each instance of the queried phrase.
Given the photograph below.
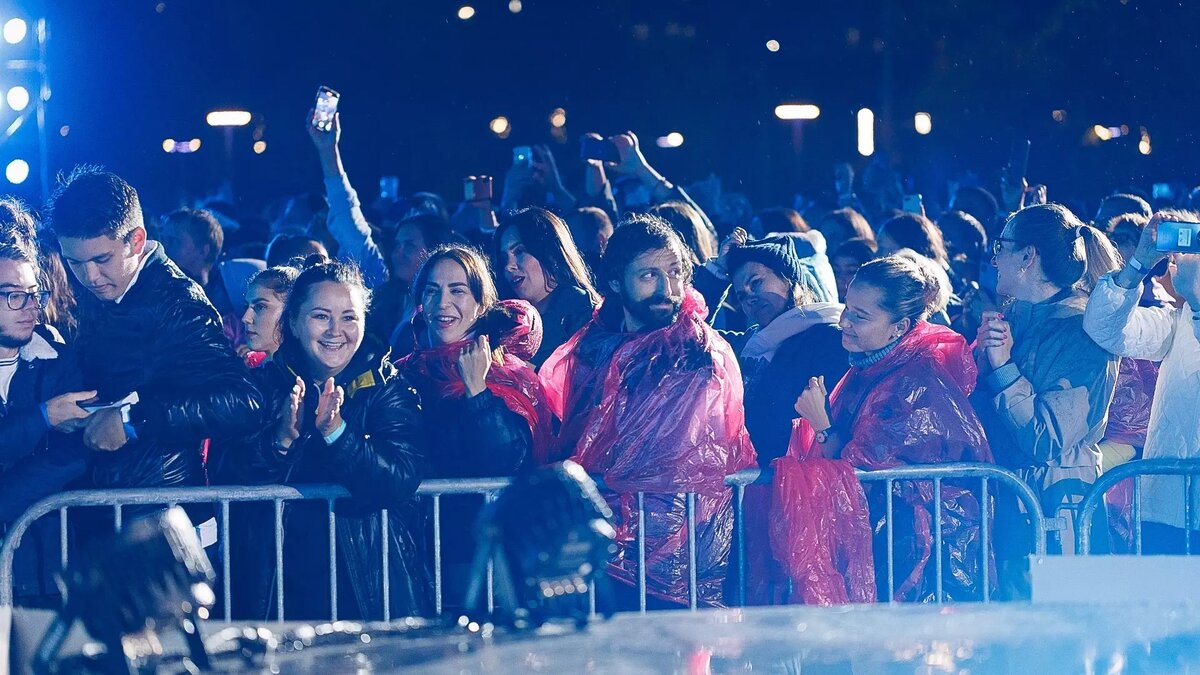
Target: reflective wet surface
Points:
(863, 639)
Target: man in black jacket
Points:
(145, 329)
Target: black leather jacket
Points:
(164, 341)
(380, 458)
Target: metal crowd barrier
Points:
(434, 490)
(984, 473)
(1187, 468)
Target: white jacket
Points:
(1114, 320)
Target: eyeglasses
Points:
(18, 300)
(996, 248)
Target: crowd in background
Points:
(660, 338)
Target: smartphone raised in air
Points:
(325, 108)
(1178, 237)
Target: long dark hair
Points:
(547, 238)
(912, 230)
(689, 225)
(479, 276)
(1072, 254)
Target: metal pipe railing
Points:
(1187, 469)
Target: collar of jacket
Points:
(369, 367)
(42, 345)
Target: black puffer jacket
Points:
(380, 458)
(164, 341)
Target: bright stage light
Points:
(671, 140)
(17, 171)
(466, 12)
(168, 145)
(797, 111)
(772, 45)
(514, 6)
(923, 123)
(228, 118)
(1102, 132)
(500, 126)
(193, 145)
(558, 118)
(15, 30)
(866, 132)
(260, 147)
(18, 98)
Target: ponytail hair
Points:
(908, 289)
(1073, 255)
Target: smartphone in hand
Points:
(914, 204)
(325, 108)
(522, 155)
(602, 149)
(1178, 237)
(477, 189)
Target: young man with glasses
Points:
(40, 390)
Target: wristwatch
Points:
(824, 434)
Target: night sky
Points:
(419, 87)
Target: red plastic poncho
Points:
(912, 408)
(513, 380)
(661, 413)
(821, 532)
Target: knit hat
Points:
(776, 253)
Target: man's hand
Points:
(64, 412)
(736, 239)
(105, 431)
(326, 143)
(329, 408)
(1146, 254)
(474, 362)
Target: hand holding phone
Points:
(1178, 237)
(477, 189)
(523, 156)
(914, 204)
(325, 108)
(599, 149)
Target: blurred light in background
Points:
(18, 98)
(17, 171)
(514, 6)
(228, 118)
(671, 140)
(168, 145)
(866, 132)
(500, 126)
(772, 45)
(797, 111)
(15, 30)
(923, 123)
(260, 147)
(1144, 144)
(558, 118)
(1059, 116)
(465, 12)
(193, 145)
(1102, 132)
(64, 130)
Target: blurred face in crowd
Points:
(523, 271)
(329, 327)
(181, 248)
(652, 289)
(105, 265)
(408, 252)
(866, 325)
(1185, 274)
(264, 307)
(16, 325)
(844, 269)
(450, 308)
(1013, 264)
(1125, 238)
(762, 294)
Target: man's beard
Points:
(13, 342)
(653, 318)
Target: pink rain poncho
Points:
(910, 407)
(661, 413)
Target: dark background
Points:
(419, 87)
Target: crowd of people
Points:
(661, 344)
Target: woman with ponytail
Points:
(903, 401)
(1045, 386)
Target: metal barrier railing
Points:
(223, 497)
(434, 490)
(936, 473)
(1188, 469)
